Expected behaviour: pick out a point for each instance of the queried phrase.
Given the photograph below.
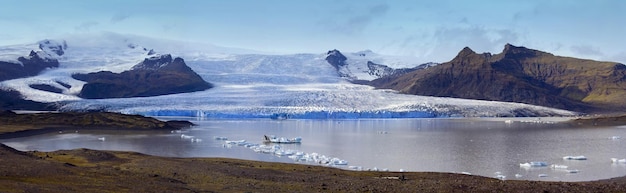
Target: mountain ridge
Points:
(519, 74)
(157, 75)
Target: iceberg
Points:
(580, 157)
(615, 160)
(533, 164)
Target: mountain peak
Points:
(465, 52)
(336, 58)
(520, 51)
(154, 62)
(53, 46)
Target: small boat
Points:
(274, 139)
(556, 166)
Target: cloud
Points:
(475, 37)
(120, 16)
(619, 57)
(86, 26)
(443, 43)
(586, 50)
(355, 24)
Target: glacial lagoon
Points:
(492, 147)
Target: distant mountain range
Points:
(224, 82)
(519, 74)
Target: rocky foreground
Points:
(18, 125)
(84, 170)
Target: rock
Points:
(336, 58)
(158, 75)
(31, 65)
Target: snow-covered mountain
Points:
(367, 65)
(248, 84)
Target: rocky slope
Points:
(157, 75)
(32, 64)
(25, 66)
(519, 74)
(10, 99)
(84, 170)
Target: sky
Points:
(431, 31)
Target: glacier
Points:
(248, 84)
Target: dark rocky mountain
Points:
(13, 100)
(519, 74)
(31, 65)
(157, 75)
(336, 59)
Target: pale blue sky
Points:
(429, 30)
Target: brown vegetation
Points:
(521, 75)
(84, 170)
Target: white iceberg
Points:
(615, 160)
(533, 164)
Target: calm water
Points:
(485, 147)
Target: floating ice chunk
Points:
(357, 168)
(580, 157)
(615, 160)
(501, 177)
(337, 161)
(533, 164)
(543, 175)
(220, 138)
(196, 140)
(518, 175)
(615, 137)
(508, 121)
(466, 173)
(102, 138)
(556, 166)
(572, 171)
(401, 170)
(236, 142)
(183, 136)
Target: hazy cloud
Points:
(357, 22)
(587, 50)
(86, 26)
(620, 57)
(476, 37)
(120, 16)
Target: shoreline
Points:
(146, 173)
(85, 170)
